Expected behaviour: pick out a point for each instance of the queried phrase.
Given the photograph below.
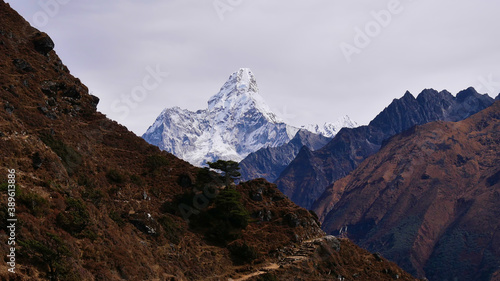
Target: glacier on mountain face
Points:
(236, 123)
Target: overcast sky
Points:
(314, 60)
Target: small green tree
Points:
(227, 218)
(230, 170)
(51, 253)
(228, 207)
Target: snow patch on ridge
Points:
(330, 129)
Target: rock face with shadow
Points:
(428, 200)
(269, 162)
(308, 175)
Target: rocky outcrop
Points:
(43, 43)
(308, 175)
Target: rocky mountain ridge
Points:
(427, 200)
(269, 162)
(308, 175)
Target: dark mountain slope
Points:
(429, 199)
(307, 176)
(269, 162)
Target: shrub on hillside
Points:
(154, 162)
(113, 176)
(51, 254)
(225, 220)
(241, 252)
(75, 218)
(173, 232)
(70, 158)
(37, 205)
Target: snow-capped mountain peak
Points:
(240, 94)
(240, 85)
(330, 129)
(246, 81)
(236, 122)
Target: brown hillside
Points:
(96, 202)
(429, 199)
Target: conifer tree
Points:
(230, 170)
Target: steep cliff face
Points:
(93, 200)
(307, 176)
(428, 199)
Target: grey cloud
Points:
(292, 47)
